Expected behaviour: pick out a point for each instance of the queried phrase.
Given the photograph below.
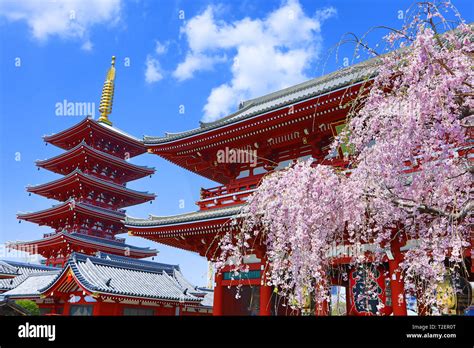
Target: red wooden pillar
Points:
(67, 306)
(265, 298)
(97, 310)
(348, 300)
(117, 309)
(217, 306)
(265, 290)
(399, 304)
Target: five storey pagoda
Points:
(92, 190)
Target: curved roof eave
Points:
(342, 78)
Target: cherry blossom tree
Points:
(408, 174)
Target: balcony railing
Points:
(226, 195)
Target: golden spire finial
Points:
(105, 107)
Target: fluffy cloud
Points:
(63, 18)
(153, 70)
(266, 54)
(161, 48)
(195, 62)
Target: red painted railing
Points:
(231, 194)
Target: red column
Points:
(265, 290)
(117, 309)
(397, 284)
(348, 300)
(67, 306)
(217, 307)
(96, 310)
(265, 298)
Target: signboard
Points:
(241, 275)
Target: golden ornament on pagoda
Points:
(105, 107)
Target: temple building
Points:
(97, 273)
(272, 131)
(89, 270)
(108, 284)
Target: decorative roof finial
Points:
(105, 107)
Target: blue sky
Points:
(199, 56)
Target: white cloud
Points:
(266, 54)
(153, 71)
(221, 100)
(69, 19)
(161, 48)
(87, 45)
(195, 62)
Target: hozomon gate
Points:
(264, 135)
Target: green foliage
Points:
(29, 305)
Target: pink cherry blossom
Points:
(410, 176)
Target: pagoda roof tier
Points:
(64, 215)
(78, 185)
(195, 231)
(84, 156)
(293, 123)
(65, 243)
(101, 277)
(99, 135)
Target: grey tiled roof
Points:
(7, 270)
(284, 97)
(315, 87)
(111, 242)
(31, 285)
(116, 277)
(141, 264)
(187, 217)
(24, 269)
(205, 294)
(208, 300)
(185, 283)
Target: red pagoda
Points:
(92, 190)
